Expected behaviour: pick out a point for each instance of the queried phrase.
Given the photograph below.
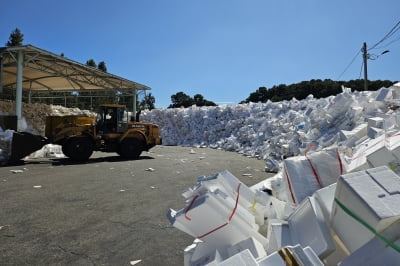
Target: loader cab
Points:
(110, 118)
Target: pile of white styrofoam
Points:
(272, 131)
(336, 202)
(353, 221)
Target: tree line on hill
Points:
(317, 87)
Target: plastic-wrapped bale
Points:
(365, 204)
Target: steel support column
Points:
(1, 73)
(18, 95)
(134, 104)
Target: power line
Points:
(351, 62)
(394, 29)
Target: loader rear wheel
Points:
(78, 148)
(130, 148)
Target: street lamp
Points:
(367, 56)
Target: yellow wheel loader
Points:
(111, 131)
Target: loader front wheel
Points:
(130, 148)
(78, 148)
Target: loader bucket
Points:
(24, 143)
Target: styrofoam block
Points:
(199, 253)
(255, 247)
(308, 228)
(299, 178)
(384, 94)
(325, 197)
(273, 259)
(302, 256)
(327, 164)
(359, 132)
(278, 235)
(376, 251)
(376, 122)
(374, 132)
(381, 157)
(243, 258)
(227, 223)
(358, 159)
(372, 196)
(229, 184)
(305, 175)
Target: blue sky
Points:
(222, 49)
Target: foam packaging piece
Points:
(302, 256)
(372, 196)
(306, 226)
(377, 251)
(306, 174)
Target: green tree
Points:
(148, 102)
(102, 66)
(16, 38)
(181, 99)
(91, 63)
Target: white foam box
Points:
(380, 157)
(376, 251)
(278, 235)
(256, 249)
(324, 197)
(299, 179)
(359, 132)
(374, 132)
(301, 256)
(305, 175)
(308, 228)
(244, 258)
(376, 122)
(215, 218)
(373, 196)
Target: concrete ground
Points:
(107, 211)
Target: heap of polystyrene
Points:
(271, 131)
(340, 223)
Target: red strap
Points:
(189, 207)
(290, 187)
(340, 161)
(312, 167)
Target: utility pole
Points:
(365, 59)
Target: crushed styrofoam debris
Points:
(17, 171)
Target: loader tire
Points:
(78, 148)
(130, 148)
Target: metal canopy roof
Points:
(30, 68)
(43, 70)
